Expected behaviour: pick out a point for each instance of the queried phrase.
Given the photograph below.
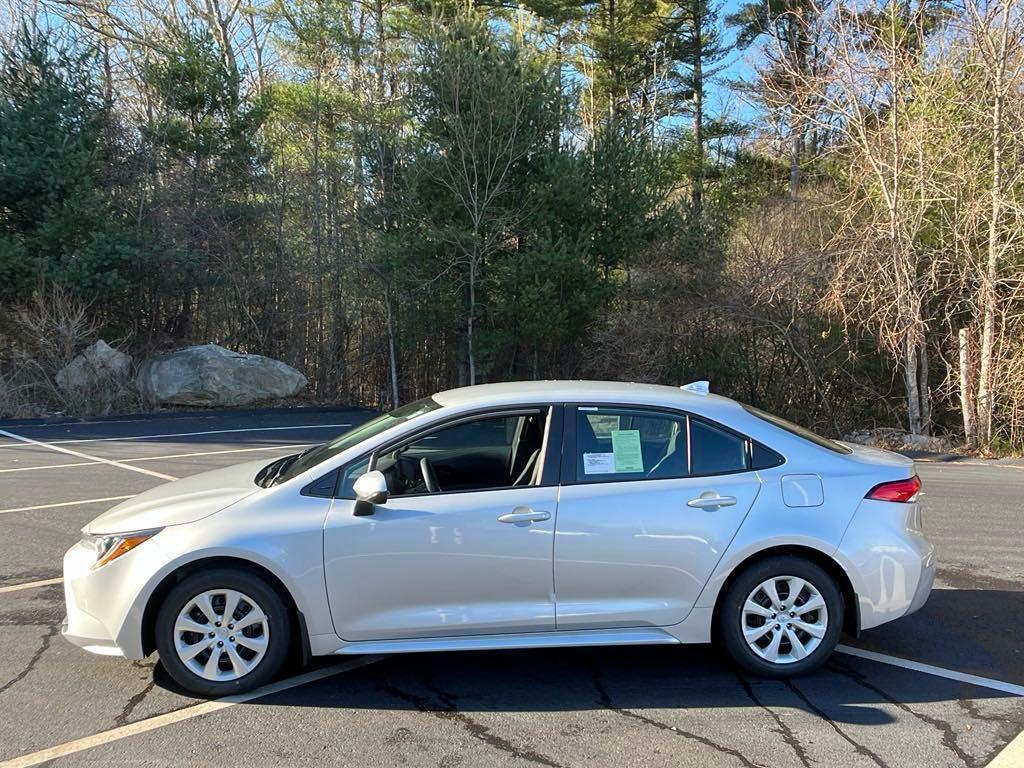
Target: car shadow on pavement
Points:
(976, 631)
(635, 679)
(955, 631)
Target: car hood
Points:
(181, 501)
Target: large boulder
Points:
(97, 365)
(211, 375)
(899, 440)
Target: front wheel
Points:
(781, 617)
(222, 632)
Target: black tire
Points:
(248, 583)
(730, 616)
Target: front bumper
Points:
(102, 646)
(105, 606)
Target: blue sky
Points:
(735, 67)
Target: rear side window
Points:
(617, 444)
(764, 458)
(626, 444)
(714, 451)
(796, 429)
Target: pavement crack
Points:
(477, 730)
(975, 713)
(136, 699)
(783, 730)
(858, 747)
(43, 647)
(604, 698)
(949, 740)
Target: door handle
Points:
(708, 501)
(524, 515)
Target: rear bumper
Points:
(891, 564)
(924, 585)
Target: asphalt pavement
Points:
(944, 687)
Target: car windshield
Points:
(797, 430)
(293, 466)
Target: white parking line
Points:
(177, 434)
(180, 715)
(68, 451)
(928, 669)
(52, 466)
(65, 504)
(217, 453)
(30, 585)
(160, 458)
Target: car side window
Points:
(627, 444)
(501, 451)
(764, 458)
(713, 451)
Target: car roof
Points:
(518, 392)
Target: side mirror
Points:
(371, 489)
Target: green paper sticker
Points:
(626, 447)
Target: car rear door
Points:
(649, 501)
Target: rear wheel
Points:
(781, 617)
(222, 632)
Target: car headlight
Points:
(110, 546)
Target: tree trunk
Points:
(698, 107)
(922, 386)
(392, 357)
(910, 381)
(794, 162)
(967, 406)
(990, 277)
(796, 36)
(471, 310)
(556, 134)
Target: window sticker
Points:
(626, 450)
(598, 463)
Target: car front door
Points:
(642, 520)
(463, 544)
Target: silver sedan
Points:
(518, 515)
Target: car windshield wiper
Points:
(309, 450)
(269, 475)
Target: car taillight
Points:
(898, 490)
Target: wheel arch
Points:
(851, 605)
(300, 635)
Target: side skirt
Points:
(640, 636)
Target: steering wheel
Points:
(429, 478)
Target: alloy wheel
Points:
(221, 635)
(784, 619)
